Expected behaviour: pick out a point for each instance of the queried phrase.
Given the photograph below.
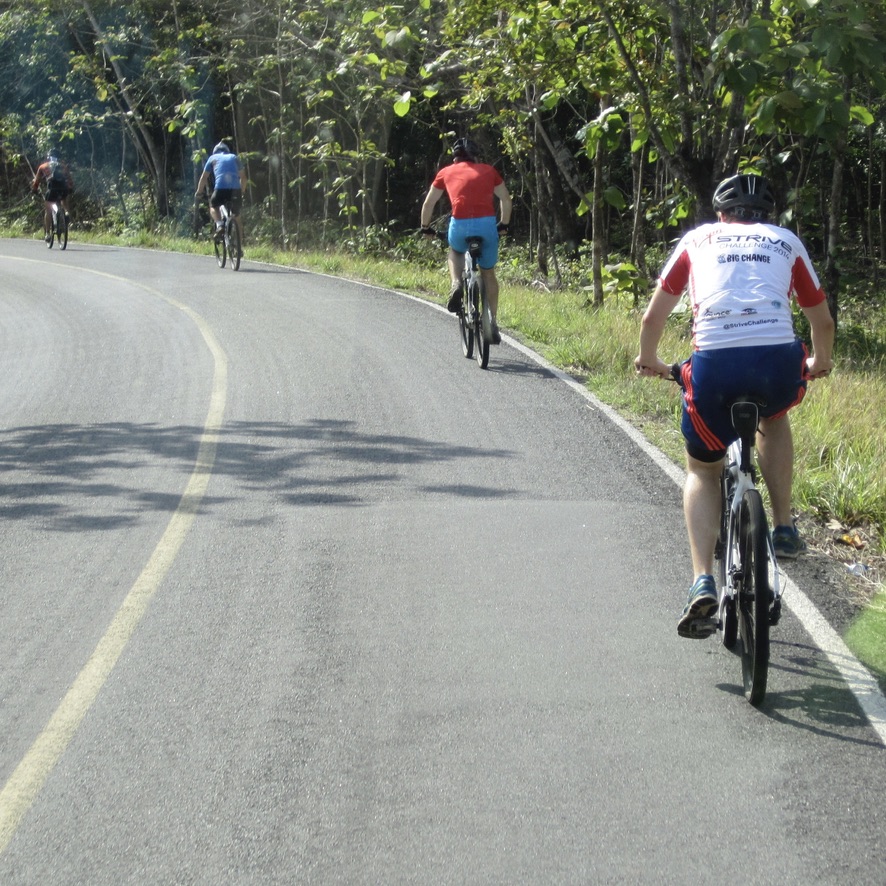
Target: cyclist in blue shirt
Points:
(229, 183)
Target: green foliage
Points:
(866, 636)
(340, 108)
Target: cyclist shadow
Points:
(822, 704)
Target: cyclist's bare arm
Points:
(652, 328)
(821, 325)
(505, 203)
(201, 185)
(432, 198)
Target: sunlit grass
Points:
(839, 437)
(866, 636)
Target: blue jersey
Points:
(226, 170)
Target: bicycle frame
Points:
(232, 246)
(473, 278)
(740, 471)
(58, 223)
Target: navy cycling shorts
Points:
(712, 380)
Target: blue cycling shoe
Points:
(699, 618)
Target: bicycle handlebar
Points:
(675, 375)
(433, 232)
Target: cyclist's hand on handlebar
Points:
(655, 368)
(428, 231)
(503, 228)
(817, 368)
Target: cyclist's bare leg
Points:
(701, 508)
(239, 222)
(47, 217)
(456, 266)
(491, 282)
(775, 454)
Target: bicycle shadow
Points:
(823, 705)
(519, 368)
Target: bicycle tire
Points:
(235, 250)
(728, 617)
(466, 317)
(62, 229)
(482, 340)
(221, 250)
(754, 597)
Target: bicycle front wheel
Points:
(221, 250)
(234, 248)
(466, 319)
(483, 328)
(728, 619)
(61, 229)
(754, 596)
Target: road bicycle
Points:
(58, 226)
(474, 316)
(229, 244)
(748, 581)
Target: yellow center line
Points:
(27, 780)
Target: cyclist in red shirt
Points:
(472, 188)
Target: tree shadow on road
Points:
(77, 477)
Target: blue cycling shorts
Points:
(487, 228)
(713, 379)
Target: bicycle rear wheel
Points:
(466, 319)
(753, 597)
(483, 323)
(234, 249)
(221, 250)
(62, 229)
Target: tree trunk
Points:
(597, 232)
(146, 145)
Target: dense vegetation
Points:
(611, 122)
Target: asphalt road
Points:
(292, 592)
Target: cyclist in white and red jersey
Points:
(740, 274)
(472, 188)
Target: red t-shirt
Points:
(470, 188)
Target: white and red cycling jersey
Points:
(740, 278)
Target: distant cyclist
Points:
(56, 176)
(472, 188)
(228, 182)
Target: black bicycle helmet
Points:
(465, 149)
(746, 197)
(221, 148)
